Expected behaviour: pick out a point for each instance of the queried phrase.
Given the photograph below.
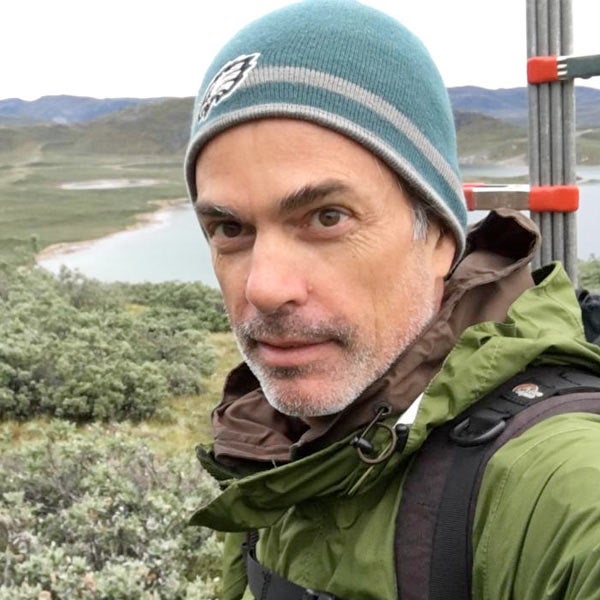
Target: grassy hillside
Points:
(144, 129)
(161, 128)
(485, 140)
(36, 212)
(588, 147)
(142, 142)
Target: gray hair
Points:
(422, 216)
(421, 220)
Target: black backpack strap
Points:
(265, 584)
(434, 524)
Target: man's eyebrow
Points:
(305, 196)
(204, 208)
(308, 194)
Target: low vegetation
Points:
(105, 389)
(93, 514)
(81, 350)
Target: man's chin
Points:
(306, 396)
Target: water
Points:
(173, 248)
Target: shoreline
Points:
(144, 219)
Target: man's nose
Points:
(277, 277)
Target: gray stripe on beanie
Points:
(338, 85)
(332, 121)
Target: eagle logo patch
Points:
(223, 84)
(528, 390)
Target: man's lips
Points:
(291, 353)
(277, 342)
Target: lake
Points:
(173, 247)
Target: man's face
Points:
(312, 243)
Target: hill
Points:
(159, 127)
(483, 140)
(504, 104)
(511, 104)
(143, 143)
(62, 109)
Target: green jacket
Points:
(326, 520)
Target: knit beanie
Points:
(352, 69)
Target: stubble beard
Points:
(277, 382)
(362, 362)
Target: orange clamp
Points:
(542, 69)
(469, 195)
(554, 198)
(541, 198)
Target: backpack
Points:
(435, 519)
(432, 545)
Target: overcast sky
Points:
(149, 48)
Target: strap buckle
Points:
(479, 428)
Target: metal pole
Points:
(552, 129)
(545, 124)
(534, 111)
(557, 129)
(569, 154)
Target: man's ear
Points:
(443, 250)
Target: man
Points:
(322, 165)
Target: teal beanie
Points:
(349, 68)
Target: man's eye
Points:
(328, 217)
(227, 229)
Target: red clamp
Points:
(547, 69)
(541, 198)
(542, 69)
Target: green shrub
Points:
(73, 347)
(94, 515)
(194, 305)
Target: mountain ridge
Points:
(63, 109)
(512, 104)
(491, 127)
(507, 104)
